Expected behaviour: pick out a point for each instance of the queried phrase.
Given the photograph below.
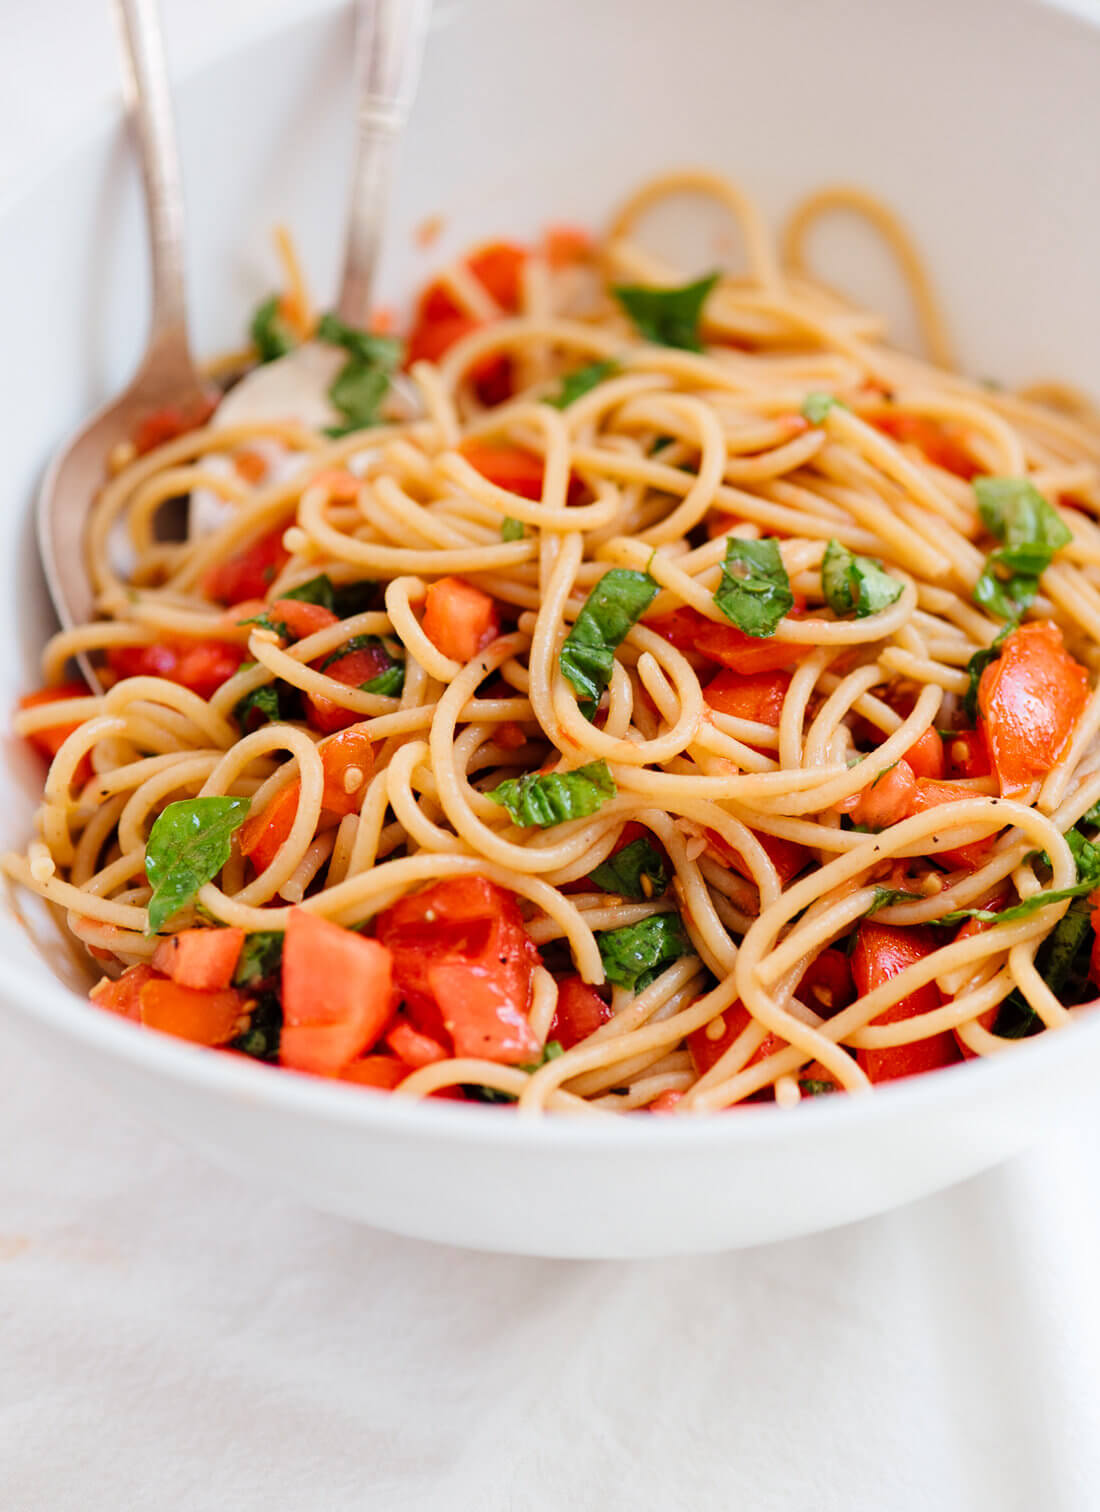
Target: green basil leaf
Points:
(667, 317)
(265, 622)
(187, 847)
(258, 707)
(755, 591)
(389, 684)
(372, 350)
(265, 1029)
(575, 385)
(557, 796)
(856, 583)
(816, 406)
(1092, 817)
(357, 391)
(977, 665)
(353, 643)
(317, 591)
(611, 610)
(271, 335)
(809, 1087)
(477, 1093)
(636, 871)
(261, 959)
(511, 530)
(636, 954)
(886, 897)
(1015, 512)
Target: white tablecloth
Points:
(171, 1340)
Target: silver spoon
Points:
(167, 374)
(389, 46)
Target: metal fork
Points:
(167, 374)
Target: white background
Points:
(171, 1340)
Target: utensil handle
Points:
(149, 104)
(389, 46)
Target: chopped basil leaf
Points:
(265, 622)
(610, 611)
(187, 847)
(809, 1087)
(659, 444)
(636, 954)
(261, 959)
(271, 335)
(856, 582)
(361, 384)
(667, 317)
(354, 598)
(354, 643)
(557, 796)
(511, 530)
(1087, 857)
(265, 1030)
(389, 684)
(1015, 512)
(636, 871)
(1063, 962)
(755, 591)
(977, 665)
(1092, 817)
(886, 897)
(317, 591)
(816, 406)
(477, 1093)
(575, 385)
(258, 707)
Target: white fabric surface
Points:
(171, 1340)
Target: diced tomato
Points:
(938, 442)
(510, 735)
(887, 799)
(510, 467)
(124, 995)
(566, 244)
(688, 630)
(459, 618)
(250, 465)
(665, 1102)
(930, 795)
(337, 994)
(300, 618)
(204, 1018)
(758, 696)
(787, 856)
(463, 964)
(353, 670)
(967, 754)
(249, 572)
(348, 760)
(201, 665)
(1030, 699)
(171, 421)
(707, 1049)
(204, 959)
(925, 756)
(432, 339)
(1094, 953)
(383, 1072)
(580, 1012)
(498, 266)
(414, 1048)
(883, 951)
(49, 741)
(826, 984)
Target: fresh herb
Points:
(188, 845)
(575, 385)
(1063, 962)
(258, 707)
(1092, 817)
(636, 954)
(977, 665)
(388, 684)
(261, 960)
(810, 1087)
(354, 598)
(667, 317)
(555, 797)
(817, 405)
(636, 871)
(1086, 855)
(318, 590)
(477, 1093)
(355, 643)
(510, 529)
(265, 622)
(856, 582)
(271, 335)
(362, 383)
(1015, 512)
(755, 591)
(886, 897)
(265, 1028)
(660, 443)
(610, 611)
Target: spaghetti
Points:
(692, 704)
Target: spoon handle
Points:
(389, 44)
(149, 104)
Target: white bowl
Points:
(979, 121)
